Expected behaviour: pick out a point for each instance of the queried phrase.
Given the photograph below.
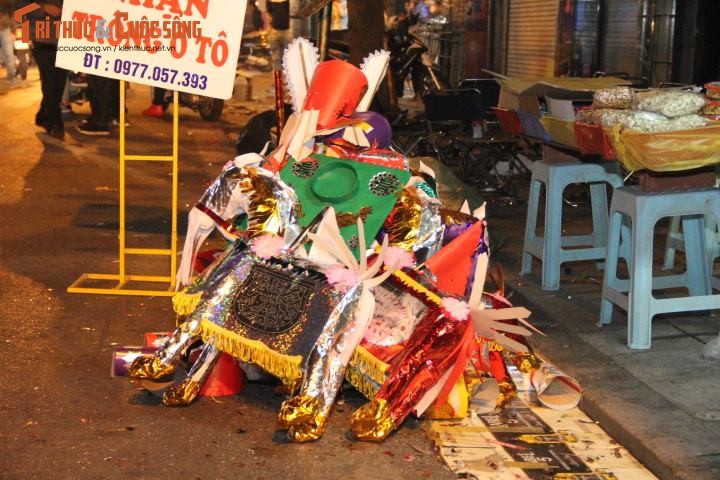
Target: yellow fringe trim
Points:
(362, 382)
(285, 367)
(185, 303)
(369, 365)
(404, 278)
(366, 372)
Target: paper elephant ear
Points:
(299, 62)
(374, 67)
(356, 190)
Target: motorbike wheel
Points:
(423, 81)
(211, 109)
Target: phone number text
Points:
(139, 70)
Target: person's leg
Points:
(113, 98)
(97, 122)
(56, 88)
(6, 45)
(22, 56)
(158, 96)
(65, 101)
(42, 58)
(157, 109)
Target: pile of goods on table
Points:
(662, 130)
(654, 110)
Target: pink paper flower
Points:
(342, 278)
(268, 245)
(457, 309)
(397, 258)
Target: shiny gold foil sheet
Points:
(526, 362)
(181, 394)
(297, 410)
(372, 422)
(150, 368)
(403, 224)
(263, 208)
(308, 431)
(508, 391)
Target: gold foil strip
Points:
(297, 410)
(347, 219)
(308, 431)
(263, 208)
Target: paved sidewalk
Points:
(662, 404)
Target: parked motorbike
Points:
(410, 56)
(209, 109)
(255, 51)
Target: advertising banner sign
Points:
(185, 45)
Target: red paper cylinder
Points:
(335, 90)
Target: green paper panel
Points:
(351, 188)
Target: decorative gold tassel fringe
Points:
(369, 365)
(285, 367)
(363, 383)
(366, 372)
(184, 303)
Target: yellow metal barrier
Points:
(122, 278)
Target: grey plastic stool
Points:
(635, 295)
(550, 247)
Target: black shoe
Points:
(87, 128)
(57, 131)
(41, 121)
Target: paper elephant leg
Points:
(425, 359)
(183, 393)
(305, 415)
(161, 366)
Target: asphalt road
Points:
(62, 415)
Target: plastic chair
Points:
(448, 115)
(455, 104)
(635, 295)
(550, 248)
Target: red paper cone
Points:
(227, 378)
(452, 264)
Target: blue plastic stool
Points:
(550, 247)
(635, 295)
(675, 241)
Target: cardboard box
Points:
(512, 101)
(563, 109)
(525, 94)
